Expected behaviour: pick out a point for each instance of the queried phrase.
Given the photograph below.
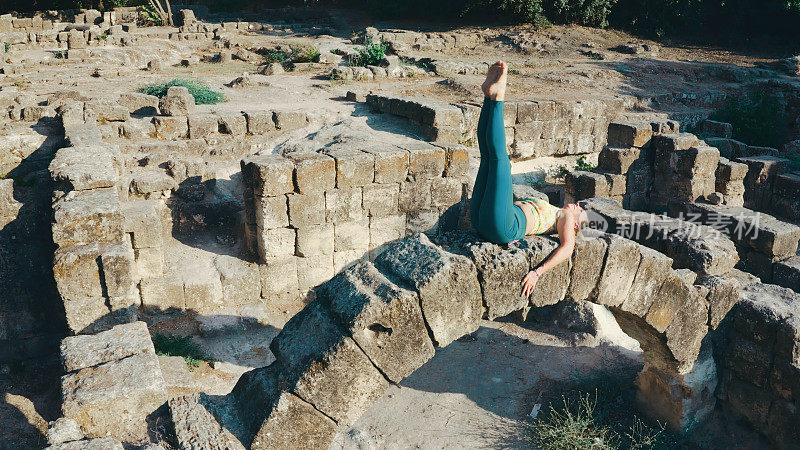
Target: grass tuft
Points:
(183, 346)
(203, 95)
(598, 418)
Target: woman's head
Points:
(578, 213)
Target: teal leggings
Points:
(492, 210)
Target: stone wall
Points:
(533, 128)
(309, 215)
(759, 363)
(375, 323)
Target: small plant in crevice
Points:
(6, 46)
(371, 55)
(183, 346)
(583, 165)
(202, 93)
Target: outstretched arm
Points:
(566, 234)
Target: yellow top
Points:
(544, 216)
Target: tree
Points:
(166, 16)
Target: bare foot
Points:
(495, 85)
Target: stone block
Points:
(665, 143)
(629, 134)
(787, 273)
(202, 126)
(77, 272)
(294, 423)
(325, 367)
(279, 278)
(202, 421)
(139, 104)
(500, 273)
(445, 191)
(583, 185)
(315, 240)
(240, 280)
(306, 210)
(342, 205)
(118, 269)
(115, 397)
(353, 167)
(391, 163)
(170, 128)
(276, 243)
(259, 122)
(106, 112)
(149, 262)
(415, 195)
(723, 293)
(423, 221)
(587, 265)
(654, 267)
(163, 294)
(271, 212)
(381, 199)
(456, 161)
(86, 167)
(622, 261)
(289, 120)
(314, 172)
(670, 297)
(268, 175)
(618, 160)
(786, 196)
(177, 102)
(425, 161)
(121, 341)
(728, 170)
(701, 249)
(202, 287)
(448, 285)
(716, 129)
(749, 361)
(552, 286)
(535, 110)
(143, 223)
(760, 179)
(314, 270)
(385, 320)
(64, 430)
(233, 123)
(146, 182)
(353, 235)
(386, 229)
(347, 258)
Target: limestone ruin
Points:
(323, 211)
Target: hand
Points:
(529, 282)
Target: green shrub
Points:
(203, 95)
(757, 119)
(183, 346)
(276, 56)
(149, 17)
(371, 54)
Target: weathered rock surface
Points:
(385, 320)
(205, 422)
(447, 285)
(79, 352)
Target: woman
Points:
(493, 212)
